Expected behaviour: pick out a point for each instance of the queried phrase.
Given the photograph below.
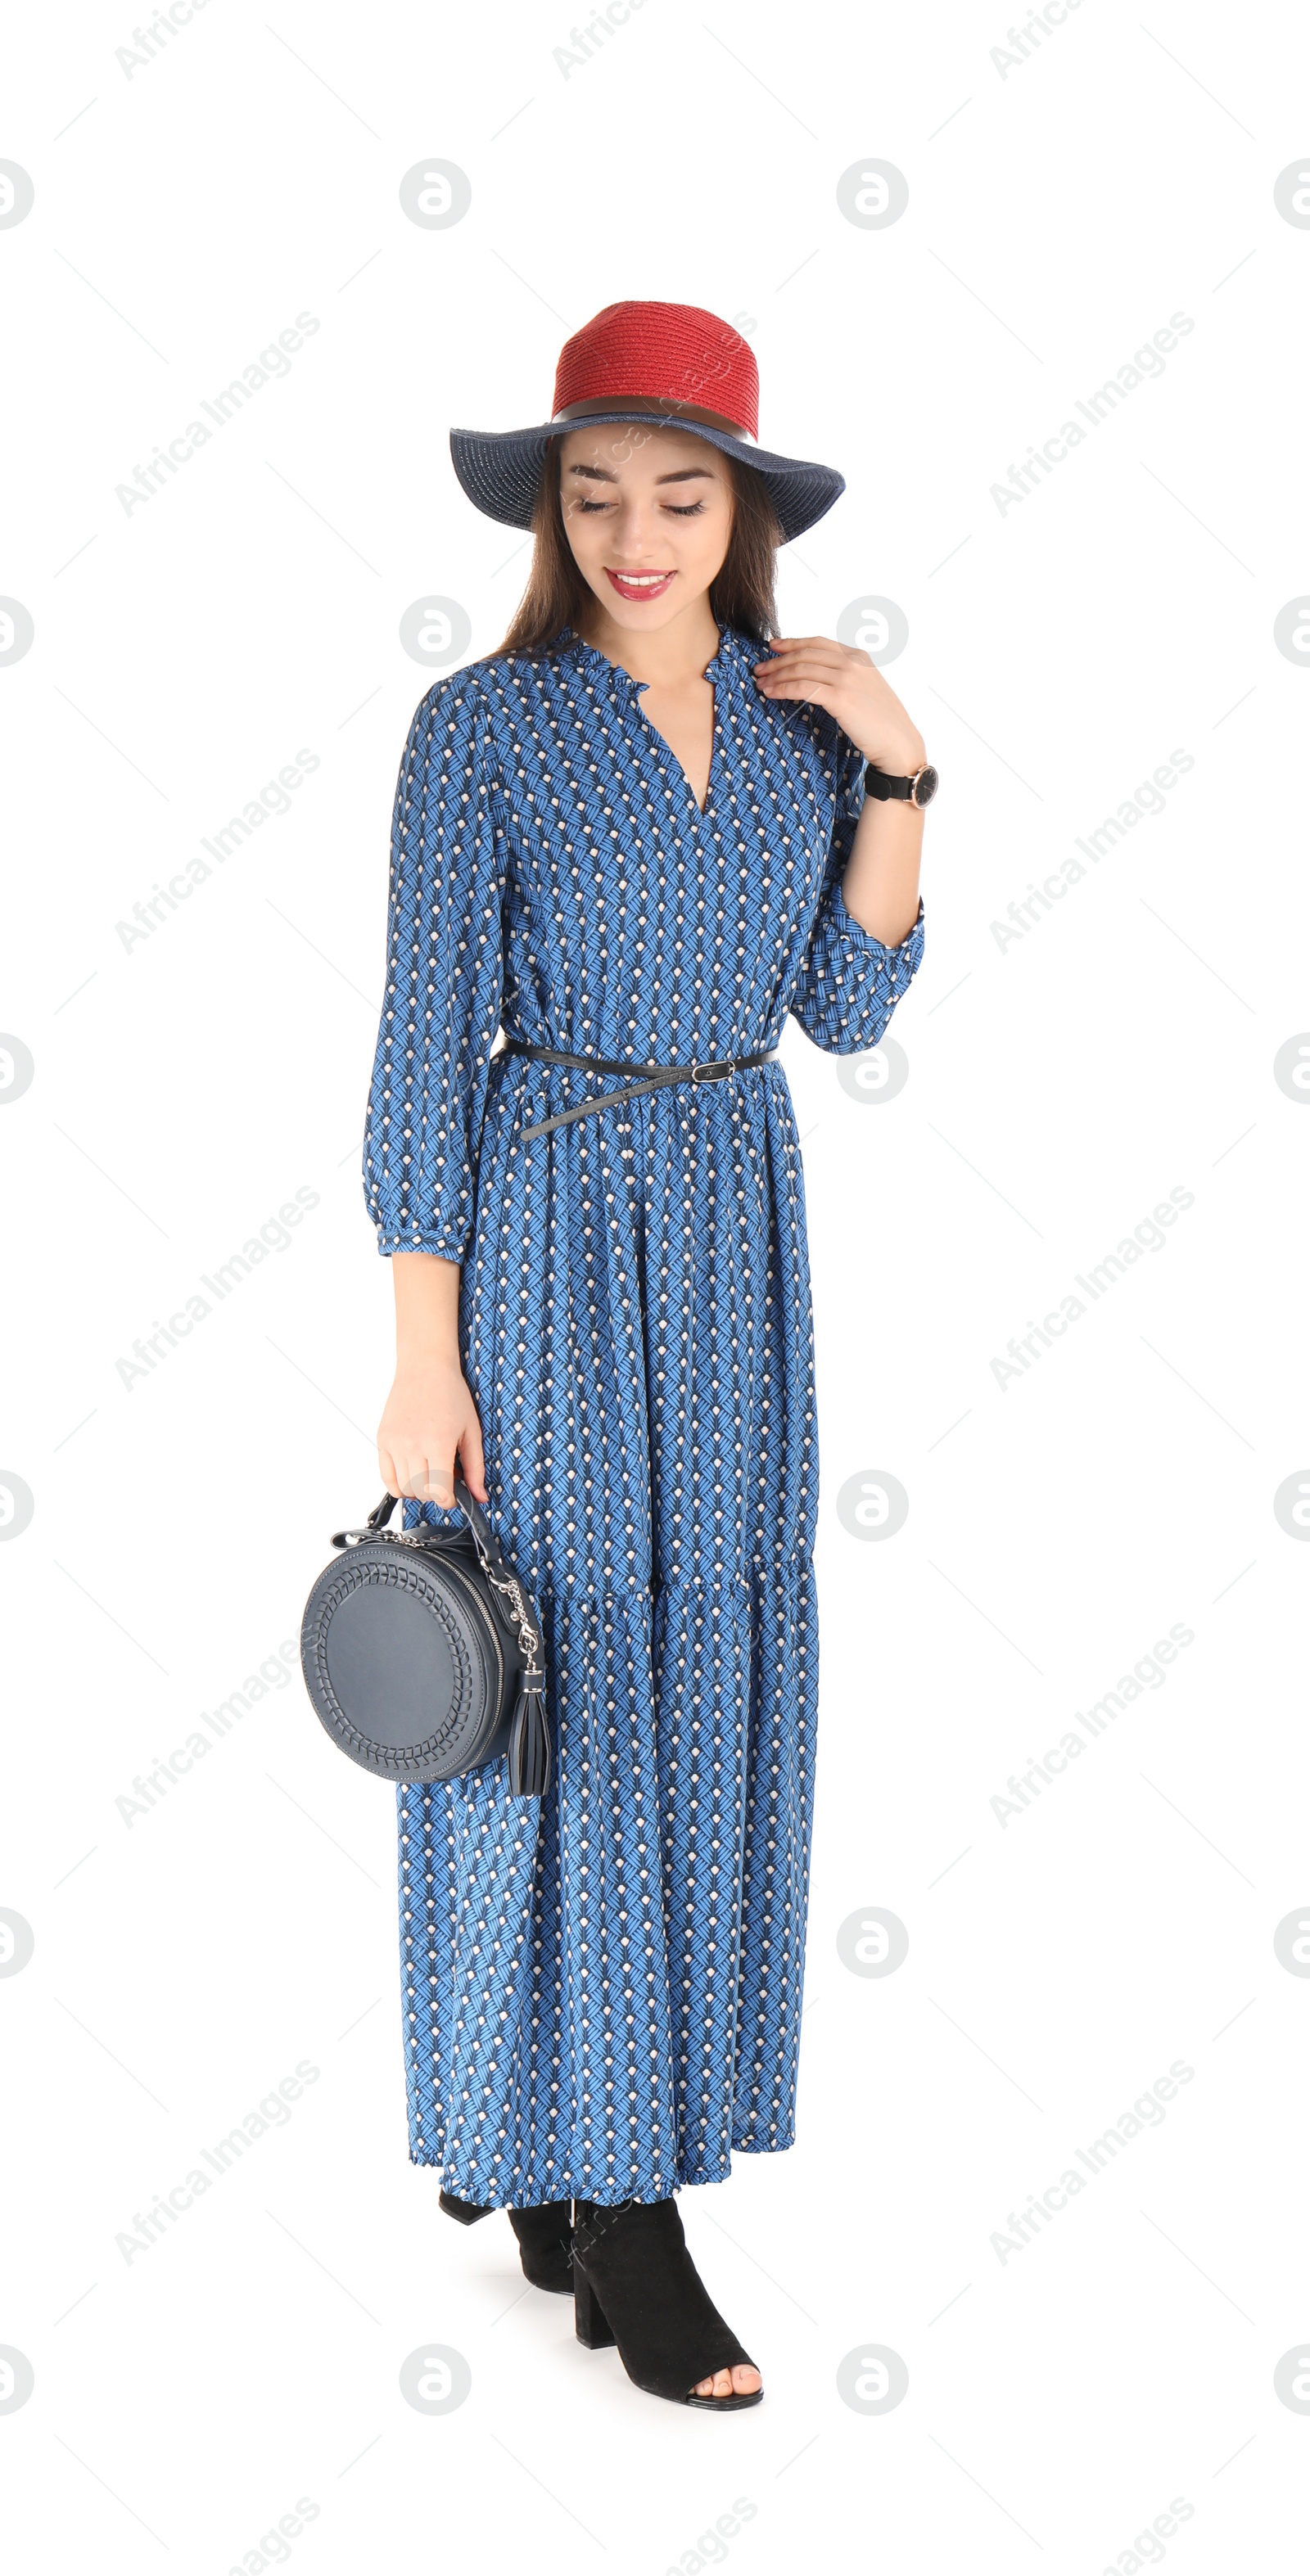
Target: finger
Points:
(474, 1465)
(786, 645)
(794, 675)
(441, 1480)
(417, 1474)
(387, 1471)
(804, 659)
(802, 682)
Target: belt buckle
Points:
(714, 1069)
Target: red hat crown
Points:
(670, 353)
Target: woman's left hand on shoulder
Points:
(842, 679)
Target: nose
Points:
(636, 532)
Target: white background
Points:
(1060, 210)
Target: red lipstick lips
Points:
(637, 586)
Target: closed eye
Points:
(688, 510)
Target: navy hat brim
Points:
(500, 470)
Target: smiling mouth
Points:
(639, 585)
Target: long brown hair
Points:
(741, 593)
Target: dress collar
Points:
(736, 655)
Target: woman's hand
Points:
(429, 1421)
(430, 1418)
(842, 679)
(880, 884)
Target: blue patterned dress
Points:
(607, 2007)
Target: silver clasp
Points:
(714, 1070)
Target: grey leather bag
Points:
(423, 1653)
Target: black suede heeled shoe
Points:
(636, 2286)
(468, 2212)
(544, 2235)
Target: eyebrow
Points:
(685, 474)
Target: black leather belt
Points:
(654, 1076)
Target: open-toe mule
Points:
(635, 2286)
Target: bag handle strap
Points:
(497, 1570)
(484, 1537)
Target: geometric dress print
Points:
(602, 1997)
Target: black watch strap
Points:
(919, 790)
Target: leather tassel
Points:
(529, 1747)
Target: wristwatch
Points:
(919, 790)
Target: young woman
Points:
(634, 838)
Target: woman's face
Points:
(648, 515)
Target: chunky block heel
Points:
(588, 2316)
(656, 2309)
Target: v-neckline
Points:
(700, 811)
(715, 672)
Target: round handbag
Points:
(422, 1652)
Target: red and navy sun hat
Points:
(672, 363)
